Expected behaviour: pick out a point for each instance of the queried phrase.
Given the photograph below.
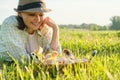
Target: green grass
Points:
(104, 66)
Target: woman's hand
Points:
(48, 21)
(55, 37)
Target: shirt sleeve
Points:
(45, 36)
(13, 39)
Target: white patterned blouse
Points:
(13, 40)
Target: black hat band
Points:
(29, 6)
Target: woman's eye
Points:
(31, 14)
(35, 14)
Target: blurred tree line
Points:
(114, 25)
(93, 27)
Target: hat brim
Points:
(34, 10)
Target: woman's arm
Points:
(55, 36)
(13, 39)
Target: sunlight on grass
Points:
(104, 66)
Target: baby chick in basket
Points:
(67, 57)
(55, 58)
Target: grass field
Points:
(104, 66)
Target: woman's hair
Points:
(21, 24)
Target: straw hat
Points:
(32, 6)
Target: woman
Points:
(29, 32)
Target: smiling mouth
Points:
(36, 24)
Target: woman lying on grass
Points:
(28, 32)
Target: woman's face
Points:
(32, 20)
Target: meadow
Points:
(104, 66)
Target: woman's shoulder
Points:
(11, 20)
